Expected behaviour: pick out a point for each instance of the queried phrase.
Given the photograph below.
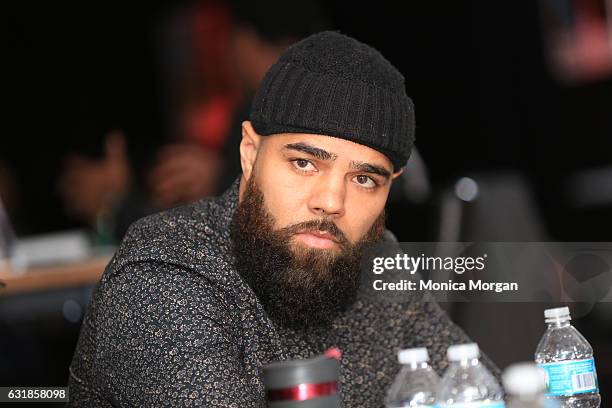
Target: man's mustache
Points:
(323, 225)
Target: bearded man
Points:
(199, 298)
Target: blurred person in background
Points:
(87, 118)
(210, 88)
(258, 39)
(200, 93)
(100, 174)
(92, 187)
(101, 190)
(253, 37)
(115, 170)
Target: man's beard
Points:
(298, 286)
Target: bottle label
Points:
(570, 377)
(495, 404)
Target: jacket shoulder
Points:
(187, 236)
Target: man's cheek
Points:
(289, 212)
(352, 234)
(357, 229)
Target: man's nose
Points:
(328, 197)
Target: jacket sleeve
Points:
(157, 334)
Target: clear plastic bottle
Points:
(468, 383)
(525, 385)
(415, 385)
(567, 358)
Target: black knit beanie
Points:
(334, 85)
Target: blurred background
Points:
(118, 111)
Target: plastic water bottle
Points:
(525, 385)
(466, 382)
(415, 385)
(567, 358)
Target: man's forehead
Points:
(337, 147)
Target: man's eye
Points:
(365, 181)
(303, 164)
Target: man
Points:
(198, 299)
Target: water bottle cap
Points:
(413, 355)
(557, 313)
(460, 352)
(524, 379)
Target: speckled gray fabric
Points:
(172, 323)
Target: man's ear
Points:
(397, 173)
(249, 146)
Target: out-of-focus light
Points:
(72, 311)
(466, 189)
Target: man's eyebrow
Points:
(314, 151)
(370, 168)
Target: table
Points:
(36, 279)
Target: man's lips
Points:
(317, 239)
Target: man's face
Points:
(308, 205)
(306, 177)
